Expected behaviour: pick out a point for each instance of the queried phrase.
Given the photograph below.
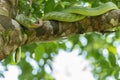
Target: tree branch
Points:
(12, 35)
(52, 30)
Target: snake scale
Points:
(77, 13)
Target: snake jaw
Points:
(38, 23)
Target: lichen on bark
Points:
(13, 35)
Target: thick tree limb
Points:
(12, 35)
(53, 29)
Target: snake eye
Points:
(38, 23)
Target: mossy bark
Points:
(12, 35)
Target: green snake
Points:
(71, 14)
(77, 13)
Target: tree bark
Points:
(12, 35)
(52, 30)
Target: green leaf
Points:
(104, 63)
(117, 33)
(112, 49)
(29, 47)
(1, 75)
(26, 71)
(58, 7)
(49, 6)
(39, 51)
(9, 59)
(51, 47)
(117, 73)
(48, 77)
(71, 1)
(112, 59)
(62, 46)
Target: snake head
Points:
(38, 23)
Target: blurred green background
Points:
(101, 50)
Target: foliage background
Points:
(102, 50)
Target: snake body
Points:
(62, 16)
(77, 13)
